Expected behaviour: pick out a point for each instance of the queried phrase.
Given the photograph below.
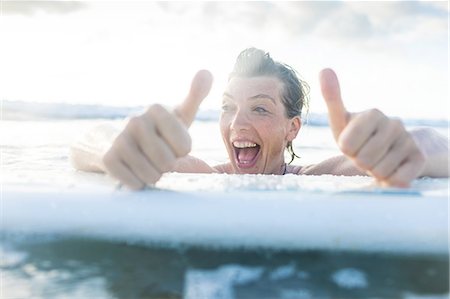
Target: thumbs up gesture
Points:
(151, 143)
(378, 145)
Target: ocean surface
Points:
(35, 142)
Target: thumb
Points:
(331, 92)
(200, 87)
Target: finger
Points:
(117, 169)
(385, 136)
(331, 92)
(135, 160)
(171, 130)
(407, 171)
(359, 131)
(378, 145)
(395, 156)
(200, 87)
(154, 148)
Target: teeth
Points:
(243, 144)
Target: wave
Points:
(20, 110)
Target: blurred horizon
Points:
(32, 111)
(389, 55)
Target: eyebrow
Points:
(258, 96)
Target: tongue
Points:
(247, 154)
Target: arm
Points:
(87, 153)
(338, 165)
(433, 145)
(148, 146)
(381, 146)
(435, 148)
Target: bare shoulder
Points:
(339, 165)
(293, 169)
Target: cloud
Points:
(368, 23)
(356, 21)
(336, 21)
(405, 16)
(31, 7)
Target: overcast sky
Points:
(390, 55)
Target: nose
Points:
(240, 121)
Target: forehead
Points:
(239, 87)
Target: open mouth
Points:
(246, 153)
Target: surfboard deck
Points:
(353, 218)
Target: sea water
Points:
(36, 153)
(83, 268)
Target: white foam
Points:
(11, 258)
(51, 284)
(218, 284)
(282, 272)
(350, 278)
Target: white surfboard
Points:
(233, 211)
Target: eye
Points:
(260, 109)
(226, 107)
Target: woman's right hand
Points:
(151, 143)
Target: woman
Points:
(261, 116)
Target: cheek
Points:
(272, 131)
(274, 137)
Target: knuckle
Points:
(155, 109)
(159, 115)
(134, 124)
(374, 113)
(396, 125)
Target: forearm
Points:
(436, 150)
(87, 153)
(338, 165)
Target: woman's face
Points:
(254, 125)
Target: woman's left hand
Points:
(378, 145)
